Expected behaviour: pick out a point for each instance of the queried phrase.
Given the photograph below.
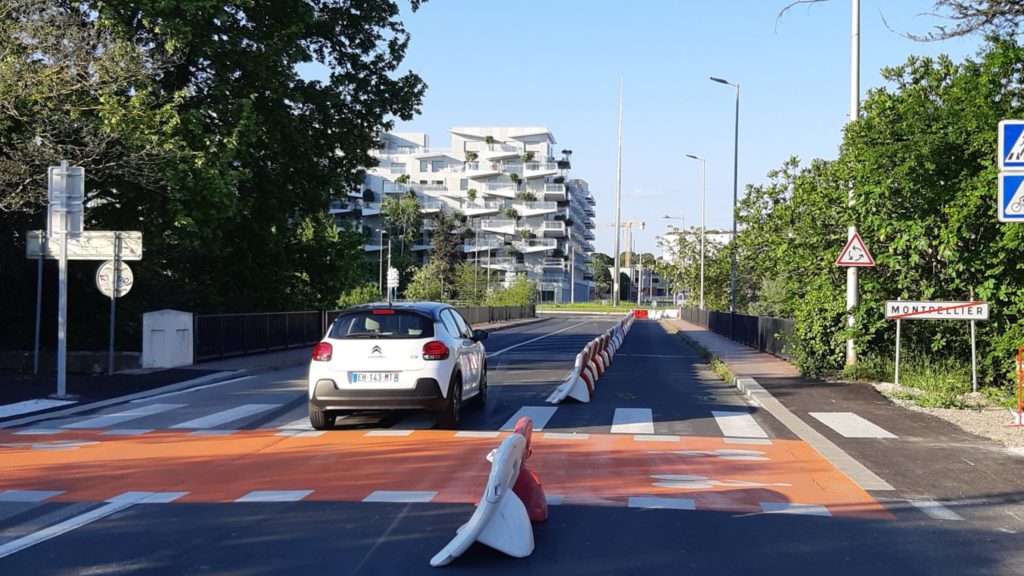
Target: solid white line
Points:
(38, 431)
(224, 416)
(503, 350)
(539, 414)
(851, 425)
(476, 434)
(389, 433)
(124, 416)
(655, 438)
(31, 406)
(28, 495)
(657, 502)
(275, 496)
(738, 425)
(113, 506)
(794, 508)
(633, 421)
(395, 496)
(196, 389)
(565, 436)
(935, 510)
(754, 441)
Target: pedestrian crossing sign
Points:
(855, 253)
(1011, 145)
(1011, 197)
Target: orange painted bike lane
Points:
(353, 464)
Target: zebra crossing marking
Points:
(850, 425)
(738, 424)
(108, 420)
(633, 421)
(34, 496)
(400, 496)
(935, 510)
(662, 502)
(539, 414)
(794, 508)
(275, 496)
(224, 416)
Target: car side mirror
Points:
(479, 335)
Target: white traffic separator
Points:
(503, 350)
(500, 519)
(112, 506)
(126, 432)
(222, 417)
(851, 425)
(633, 421)
(108, 420)
(574, 386)
(540, 415)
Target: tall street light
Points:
(703, 181)
(667, 217)
(735, 184)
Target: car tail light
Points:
(435, 350)
(322, 352)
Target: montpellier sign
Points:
(971, 310)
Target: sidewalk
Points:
(25, 395)
(922, 454)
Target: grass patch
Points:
(929, 382)
(717, 365)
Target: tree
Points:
(599, 265)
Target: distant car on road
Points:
(394, 356)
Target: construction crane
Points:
(629, 235)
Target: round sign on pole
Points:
(105, 279)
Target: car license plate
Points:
(374, 377)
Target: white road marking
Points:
(476, 434)
(565, 436)
(738, 424)
(753, 441)
(633, 421)
(275, 496)
(539, 414)
(31, 406)
(301, 433)
(112, 506)
(656, 438)
(794, 508)
(38, 431)
(300, 424)
(851, 425)
(503, 350)
(28, 495)
(126, 432)
(935, 510)
(196, 389)
(212, 432)
(389, 433)
(225, 416)
(394, 496)
(658, 502)
(108, 420)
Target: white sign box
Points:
(90, 245)
(907, 310)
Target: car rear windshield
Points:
(383, 324)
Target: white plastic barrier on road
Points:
(591, 363)
(500, 519)
(574, 386)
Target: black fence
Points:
(767, 334)
(217, 336)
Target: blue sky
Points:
(558, 64)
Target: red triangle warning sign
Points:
(855, 254)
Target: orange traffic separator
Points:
(348, 465)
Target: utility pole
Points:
(618, 205)
(851, 271)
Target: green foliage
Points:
(471, 194)
(511, 214)
(526, 195)
(426, 284)
(521, 292)
(471, 156)
(602, 277)
(362, 294)
(471, 284)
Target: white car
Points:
(394, 356)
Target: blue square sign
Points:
(1011, 145)
(1011, 197)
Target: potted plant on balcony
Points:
(511, 251)
(528, 156)
(514, 178)
(557, 253)
(471, 194)
(526, 233)
(558, 180)
(471, 156)
(489, 140)
(512, 214)
(402, 179)
(527, 196)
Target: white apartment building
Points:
(524, 214)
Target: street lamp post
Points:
(703, 182)
(735, 185)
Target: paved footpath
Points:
(896, 454)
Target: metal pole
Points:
(851, 271)
(618, 205)
(572, 269)
(703, 181)
(897, 376)
(974, 360)
(62, 302)
(735, 187)
(44, 241)
(380, 257)
(113, 300)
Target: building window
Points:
(464, 184)
(424, 166)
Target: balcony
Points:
(553, 229)
(372, 247)
(341, 207)
(535, 208)
(498, 263)
(590, 200)
(552, 263)
(371, 208)
(482, 208)
(482, 169)
(421, 245)
(478, 245)
(555, 193)
(535, 245)
(589, 224)
(499, 226)
(429, 206)
(502, 189)
(539, 169)
(589, 211)
(588, 235)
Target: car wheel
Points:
(480, 400)
(451, 415)
(320, 419)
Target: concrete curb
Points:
(201, 381)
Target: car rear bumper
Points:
(427, 394)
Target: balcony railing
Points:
(496, 147)
(489, 205)
(552, 262)
(497, 223)
(524, 206)
(430, 205)
(534, 244)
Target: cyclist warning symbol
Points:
(1011, 197)
(855, 254)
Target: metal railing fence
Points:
(218, 336)
(765, 333)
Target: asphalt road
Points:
(667, 470)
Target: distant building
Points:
(524, 214)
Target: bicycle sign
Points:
(1011, 197)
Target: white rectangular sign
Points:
(90, 245)
(907, 310)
